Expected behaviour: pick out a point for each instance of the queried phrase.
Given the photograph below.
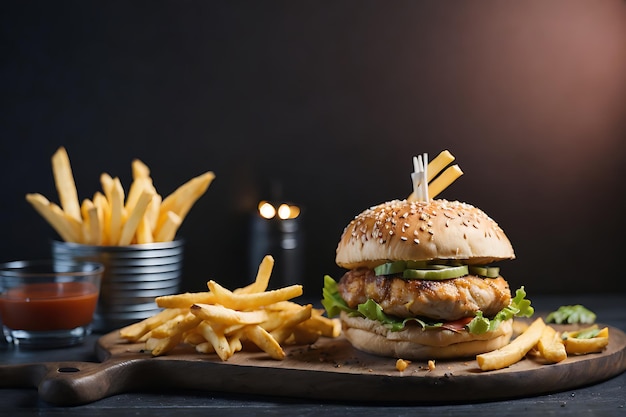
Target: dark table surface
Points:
(607, 398)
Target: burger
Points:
(423, 281)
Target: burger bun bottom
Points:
(416, 343)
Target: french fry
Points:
(139, 169)
(551, 346)
(265, 341)
(104, 215)
(439, 163)
(262, 277)
(84, 212)
(514, 351)
(152, 212)
(229, 299)
(303, 336)
(444, 180)
(205, 347)
(163, 329)
(292, 320)
(117, 211)
(134, 217)
(151, 343)
(168, 229)
(92, 232)
(137, 187)
(65, 185)
(95, 225)
(67, 227)
(106, 182)
(184, 197)
(107, 187)
(281, 305)
(226, 316)
(194, 338)
(286, 319)
(144, 231)
(166, 344)
(185, 300)
(325, 326)
(576, 346)
(217, 340)
(143, 182)
(235, 344)
(136, 330)
(231, 329)
(178, 324)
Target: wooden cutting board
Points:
(331, 369)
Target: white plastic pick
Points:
(419, 177)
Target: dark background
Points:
(327, 101)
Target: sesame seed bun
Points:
(413, 230)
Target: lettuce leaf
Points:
(518, 307)
(571, 314)
(334, 304)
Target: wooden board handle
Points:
(72, 383)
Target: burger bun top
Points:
(422, 231)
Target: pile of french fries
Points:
(224, 322)
(544, 342)
(112, 218)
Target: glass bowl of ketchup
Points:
(48, 304)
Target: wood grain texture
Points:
(331, 370)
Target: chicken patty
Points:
(449, 299)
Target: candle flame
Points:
(266, 210)
(285, 211)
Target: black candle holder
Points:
(276, 229)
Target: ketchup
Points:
(49, 306)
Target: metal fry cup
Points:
(134, 276)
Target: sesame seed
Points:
(417, 241)
(403, 238)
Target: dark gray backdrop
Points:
(329, 100)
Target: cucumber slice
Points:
(390, 268)
(485, 271)
(436, 272)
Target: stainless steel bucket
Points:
(133, 277)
